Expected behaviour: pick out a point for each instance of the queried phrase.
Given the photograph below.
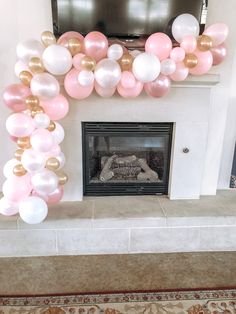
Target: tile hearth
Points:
(126, 225)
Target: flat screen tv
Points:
(121, 18)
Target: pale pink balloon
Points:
(189, 43)
(77, 61)
(14, 97)
(127, 79)
(159, 44)
(55, 151)
(130, 92)
(104, 92)
(180, 73)
(218, 33)
(73, 88)
(69, 35)
(8, 208)
(42, 140)
(56, 108)
(219, 53)
(20, 124)
(177, 54)
(205, 61)
(13, 138)
(15, 189)
(96, 45)
(158, 88)
(56, 196)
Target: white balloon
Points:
(33, 210)
(168, 66)
(29, 49)
(115, 52)
(44, 182)
(41, 120)
(86, 78)
(57, 59)
(8, 167)
(135, 53)
(19, 67)
(61, 158)
(8, 208)
(45, 86)
(185, 25)
(146, 67)
(107, 73)
(33, 161)
(58, 134)
(42, 140)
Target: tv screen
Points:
(120, 18)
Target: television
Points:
(121, 18)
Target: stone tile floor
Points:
(122, 225)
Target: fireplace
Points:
(126, 158)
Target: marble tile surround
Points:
(126, 225)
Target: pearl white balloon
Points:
(29, 49)
(44, 182)
(42, 140)
(57, 59)
(86, 78)
(58, 134)
(33, 161)
(146, 67)
(61, 158)
(19, 67)
(33, 210)
(185, 25)
(115, 52)
(168, 66)
(8, 208)
(41, 120)
(19, 124)
(45, 86)
(8, 167)
(107, 73)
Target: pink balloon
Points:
(19, 124)
(56, 108)
(14, 97)
(177, 54)
(13, 138)
(42, 140)
(77, 61)
(218, 33)
(205, 61)
(127, 79)
(159, 44)
(104, 92)
(56, 196)
(69, 35)
(189, 44)
(219, 53)
(158, 88)
(15, 189)
(130, 92)
(73, 88)
(96, 45)
(180, 73)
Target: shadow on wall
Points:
(233, 173)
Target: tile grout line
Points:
(163, 211)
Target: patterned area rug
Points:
(179, 302)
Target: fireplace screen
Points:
(126, 158)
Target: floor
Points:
(73, 274)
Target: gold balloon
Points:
(52, 164)
(36, 65)
(190, 60)
(74, 46)
(204, 43)
(31, 101)
(18, 153)
(126, 62)
(51, 126)
(62, 177)
(23, 142)
(88, 63)
(25, 77)
(19, 171)
(48, 38)
(35, 110)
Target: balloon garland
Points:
(34, 178)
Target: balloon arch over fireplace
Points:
(34, 178)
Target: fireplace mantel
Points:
(207, 80)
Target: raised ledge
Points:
(207, 80)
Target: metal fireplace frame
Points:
(120, 129)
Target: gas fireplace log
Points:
(148, 173)
(106, 173)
